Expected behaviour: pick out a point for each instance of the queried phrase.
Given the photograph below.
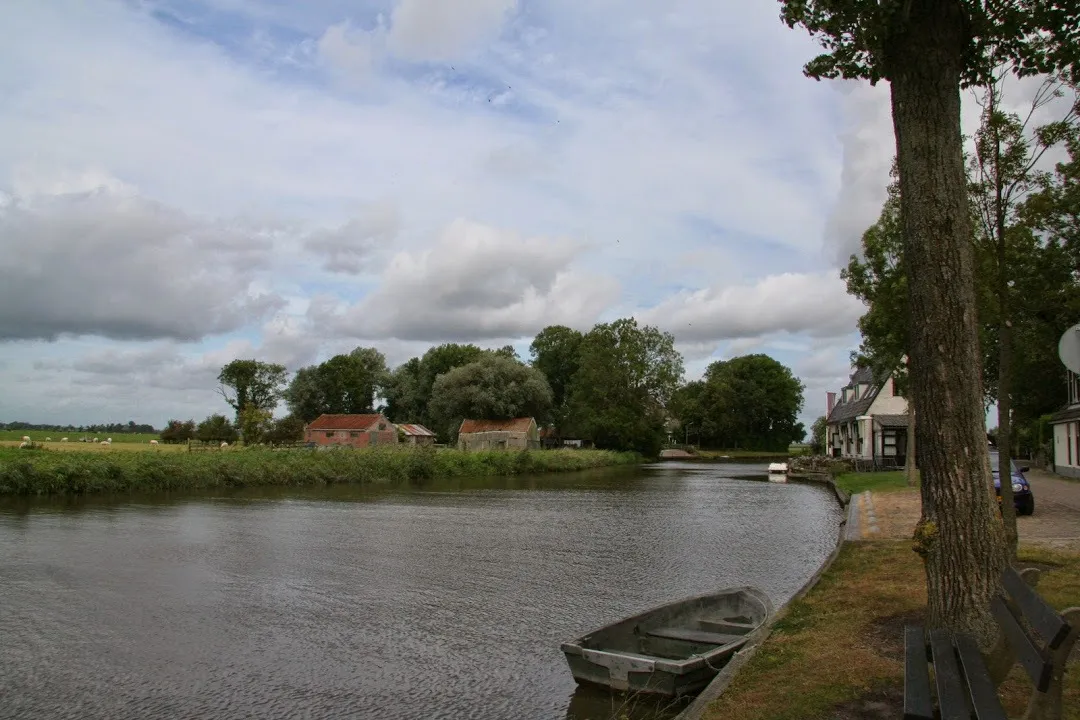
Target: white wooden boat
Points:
(777, 468)
(673, 650)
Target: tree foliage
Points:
(254, 383)
(408, 390)
(495, 387)
(216, 428)
(625, 379)
(178, 431)
(556, 352)
(817, 435)
(749, 402)
(344, 384)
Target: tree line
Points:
(618, 386)
(112, 428)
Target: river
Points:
(446, 600)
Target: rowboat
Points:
(672, 650)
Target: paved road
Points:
(1057, 511)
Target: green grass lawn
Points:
(857, 482)
(74, 436)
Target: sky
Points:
(186, 182)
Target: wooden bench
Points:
(695, 636)
(1034, 634)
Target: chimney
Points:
(830, 403)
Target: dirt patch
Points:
(897, 513)
(886, 634)
(883, 704)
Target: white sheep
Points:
(108, 439)
(63, 439)
(26, 438)
(106, 442)
(24, 444)
(153, 442)
(48, 439)
(94, 440)
(224, 444)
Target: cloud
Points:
(816, 304)
(114, 264)
(446, 29)
(479, 282)
(350, 53)
(351, 247)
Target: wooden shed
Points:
(516, 434)
(353, 430)
(416, 434)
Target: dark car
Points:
(1022, 496)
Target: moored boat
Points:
(778, 468)
(672, 650)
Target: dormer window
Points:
(855, 393)
(1074, 388)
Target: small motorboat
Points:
(778, 468)
(672, 650)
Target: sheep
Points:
(63, 439)
(106, 442)
(24, 444)
(108, 439)
(26, 438)
(153, 442)
(94, 440)
(224, 444)
(48, 439)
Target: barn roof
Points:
(516, 425)
(413, 429)
(345, 422)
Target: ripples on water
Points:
(445, 601)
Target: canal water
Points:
(444, 600)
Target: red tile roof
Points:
(515, 425)
(346, 422)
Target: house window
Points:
(1068, 443)
(329, 433)
(895, 390)
(855, 393)
(354, 434)
(1074, 388)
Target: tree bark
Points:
(909, 453)
(959, 536)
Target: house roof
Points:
(842, 412)
(1069, 413)
(345, 422)
(891, 421)
(477, 426)
(415, 430)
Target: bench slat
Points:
(950, 686)
(722, 626)
(917, 702)
(981, 688)
(1030, 657)
(1044, 619)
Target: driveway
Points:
(1056, 522)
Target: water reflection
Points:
(445, 600)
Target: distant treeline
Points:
(115, 428)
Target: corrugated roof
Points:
(891, 421)
(345, 422)
(515, 425)
(415, 430)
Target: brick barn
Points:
(353, 430)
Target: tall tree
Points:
(254, 384)
(626, 378)
(555, 351)
(1008, 149)
(494, 387)
(817, 435)
(408, 390)
(926, 49)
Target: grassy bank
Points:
(857, 482)
(838, 652)
(44, 472)
(747, 454)
(74, 436)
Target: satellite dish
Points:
(1069, 348)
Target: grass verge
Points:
(41, 472)
(857, 482)
(838, 652)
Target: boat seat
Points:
(724, 626)
(695, 636)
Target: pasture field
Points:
(73, 436)
(81, 447)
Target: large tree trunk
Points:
(959, 536)
(909, 452)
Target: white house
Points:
(867, 421)
(1066, 425)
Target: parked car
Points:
(1023, 498)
